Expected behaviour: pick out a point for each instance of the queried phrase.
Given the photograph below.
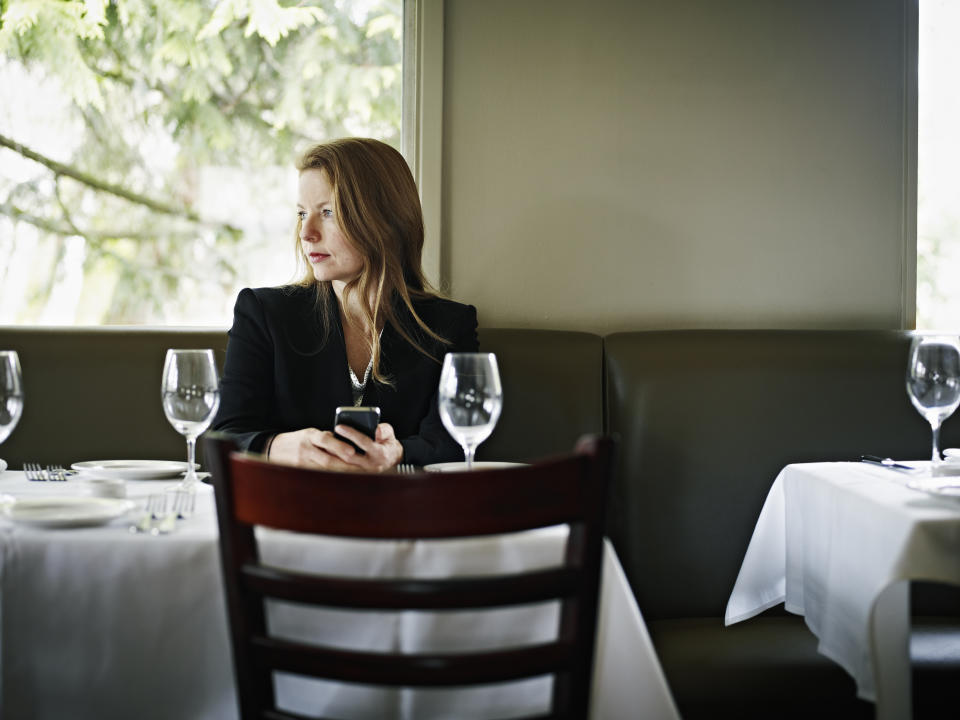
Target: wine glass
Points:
(933, 381)
(11, 394)
(470, 398)
(191, 396)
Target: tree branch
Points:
(89, 180)
(49, 226)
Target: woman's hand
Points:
(322, 449)
(382, 453)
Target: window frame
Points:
(422, 120)
(908, 230)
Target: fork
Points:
(35, 472)
(169, 519)
(57, 472)
(154, 508)
(406, 469)
(179, 506)
(183, 503)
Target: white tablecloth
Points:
(102, 623)
(837, 543)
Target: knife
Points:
(885, 462)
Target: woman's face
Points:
(330, 255)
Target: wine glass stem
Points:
(936, 442)
(191, 477)
(468, 451)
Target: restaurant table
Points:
(838, 543)
(101, 622)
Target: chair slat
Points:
(434, 505)
(413, 670)
(282, 715)
(412, 594)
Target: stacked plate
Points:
(130, 469)
(108, 478)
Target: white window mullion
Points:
(422, 135)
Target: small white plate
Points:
(951, 455)
(948, 491)
(130, 469)
(477, 465)
(63, 511)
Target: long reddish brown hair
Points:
(377, 207)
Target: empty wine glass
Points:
(11, 394)
(191, 396)
(933, 381)
(470, 398)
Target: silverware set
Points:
(37, 473)
(161, 512)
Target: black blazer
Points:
(280, 375)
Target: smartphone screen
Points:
(364, 419)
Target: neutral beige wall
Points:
(614, 165)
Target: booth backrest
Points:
(706, 421)
(552, 389)
(94, 393)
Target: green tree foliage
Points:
(157, 91)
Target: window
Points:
(146, 147)
(938, 166)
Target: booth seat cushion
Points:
(768, 667)
(935, 657)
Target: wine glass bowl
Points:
(470, 398)
(933, 381)
(191, 396)
(11, 393)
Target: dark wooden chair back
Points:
(570, 490)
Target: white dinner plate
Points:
(131, 469)
(948, 491)
(63, 511)
(477, 465)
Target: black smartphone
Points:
(364, 419)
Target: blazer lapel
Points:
(384, 396)
(321, 364)
(337, 348)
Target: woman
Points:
(361, 327)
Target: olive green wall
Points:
(678, 163)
